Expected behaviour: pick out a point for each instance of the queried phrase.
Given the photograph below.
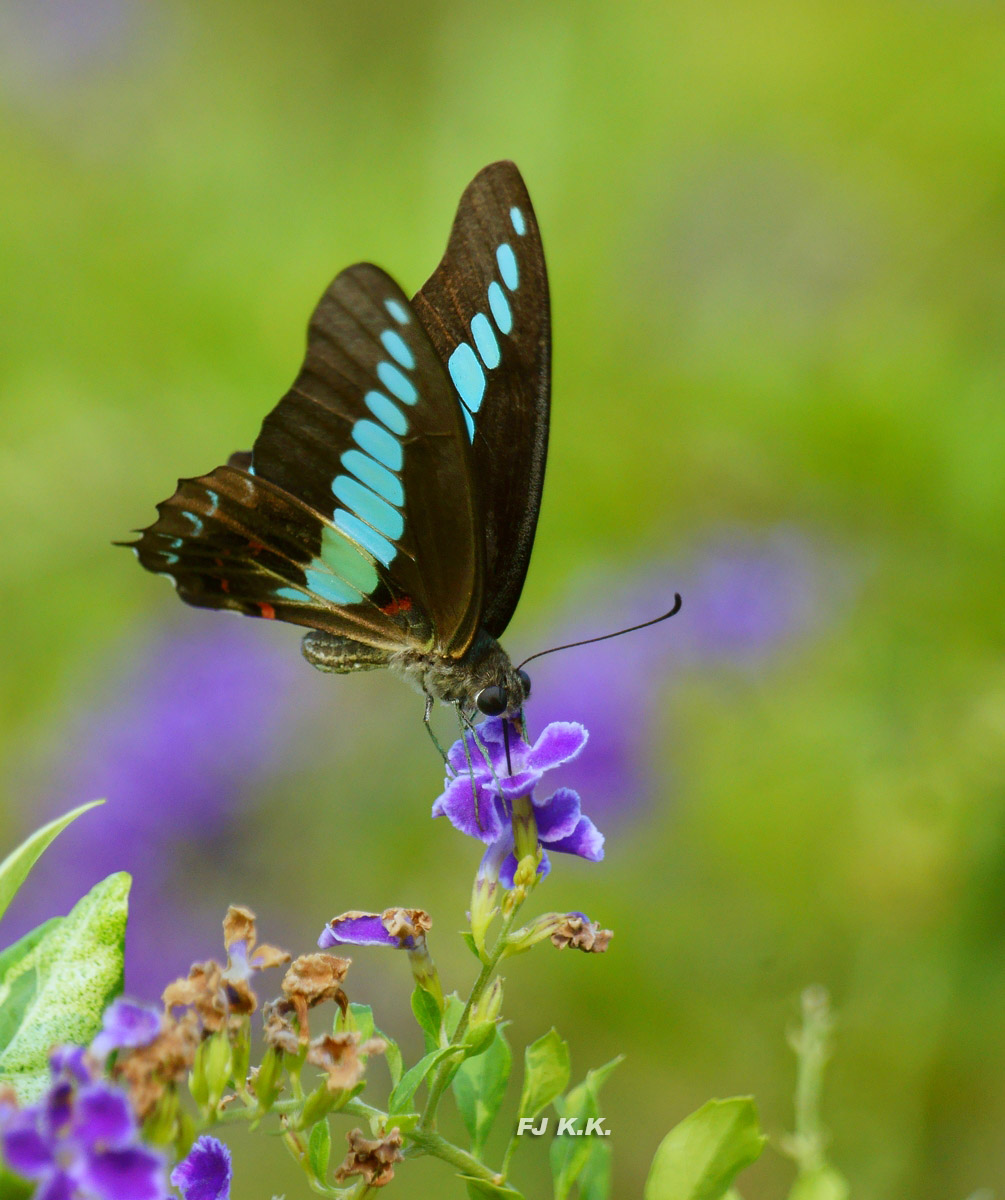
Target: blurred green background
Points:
(777, 252)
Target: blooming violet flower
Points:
(206, 1173)
(80, 1142)
(477, 798)
(126, 1025)
(401, 928)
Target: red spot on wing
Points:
(225, 585)
(401, 605)
(267, 610)
(255, 547)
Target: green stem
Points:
(432, 1143)
(439, 1083)
(812, 1046)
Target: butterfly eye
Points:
(525, 680)
(491, 701)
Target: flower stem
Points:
(439, 1082)
(432, 1143)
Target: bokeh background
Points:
(777, 252)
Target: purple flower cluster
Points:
(81, 1141)
(486, 776)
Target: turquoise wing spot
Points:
(485, 340)
(368, 505)
(326, 585)
(470, 422)
(366, 536)
(171, 558)
(397, 311)
(387, 411)
(468, 376)
(175, 543)
(378, 443)
(214, 499)
(344, 559)
(291, 593)
(519, 224)
(396, 383)
(507, 266)
(501, 312)
(383, 482)
(196, 521)
(398, 349)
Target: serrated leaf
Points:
(546, 1073)
(480, 1087)
(483, 1187)
(319, 1148)
(699, 1158)
(427, 1014)
(823, 1184)
(77, 969)
(569, 1156)
(15, 867)
(402, 1094)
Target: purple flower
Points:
(206, 1173)
(477, 798)
(80, 1142)
(400, 928)
(125, 1026)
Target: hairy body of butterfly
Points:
(390, 500)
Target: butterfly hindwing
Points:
(357, 490)
(486, 310)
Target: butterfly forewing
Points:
(486, 311)
(354, 513)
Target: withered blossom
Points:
(148, 1070)
(311, 980)
(343, 1058)
(373, 1158)
(579, 932)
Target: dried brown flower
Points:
(581, 934)
(312, 979)
(342, 1057)
(149, 1069)
(374, 1159)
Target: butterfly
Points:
(390, 501)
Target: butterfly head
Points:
(507, 698)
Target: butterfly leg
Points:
(429, 728)
(340, 655)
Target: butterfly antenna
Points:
(509, 762)
(605, 636)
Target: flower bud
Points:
(211, 1071)
(489, 1005)
(268, 1080)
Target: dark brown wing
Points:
(486, 310)
(355, 513)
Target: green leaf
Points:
(453, 1009)
(545, 1073)
(570, 1155)
(392, 1056)
(12, 1010)
(359, 1020)
(595, 1180)
(319, 1148)
(15, 867)
(408, 1085)
(822, 1184)
(427, 1013)
(699, 1158)
(471, 944)
(479, 1088)
(483, 1187)
(14, 1188)
(68, 978)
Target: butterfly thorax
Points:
(485, 664)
